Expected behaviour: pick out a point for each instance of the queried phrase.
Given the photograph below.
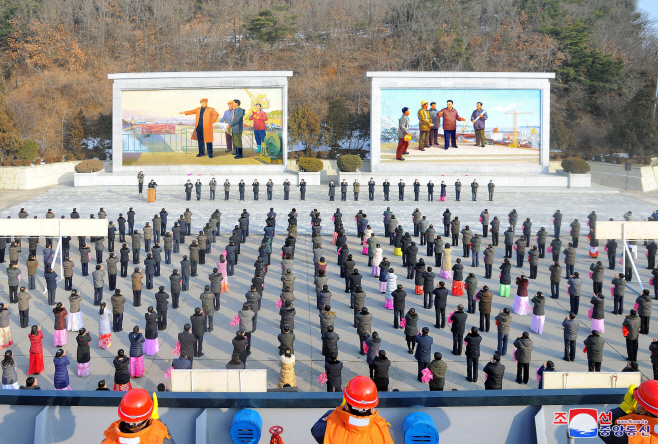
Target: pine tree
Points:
(336, 123)
(637, 133)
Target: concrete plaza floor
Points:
(538, 204)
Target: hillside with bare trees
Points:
(56, 55)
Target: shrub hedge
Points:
(575, 165)
(309, 164)
(349, 163)
(89, 166)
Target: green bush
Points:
(310, 165)
(349, 163)
(29, 150)
(89, 166)
(575, 165)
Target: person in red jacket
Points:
(355, 421)
(259, 117)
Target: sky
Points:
(650, 6)
(495, 102)
(165, 105)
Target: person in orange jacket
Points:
(138, 421)
(204, 120)
(640, 408)
(355, 421)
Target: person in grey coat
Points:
(246, 324)
(363, 327)
(523, 355)
(175, 281)
(286, 340)
(503, 324)
(597, 270)
(99, 281)
(13, 273)
(632, 325)
(618, 293)
(644, 311)
(574, 283)
(327, 318)
(323, 298)
(374, 344)
(570, 326)
(594, 345)
(216, 286)
(186, 271)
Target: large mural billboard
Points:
(209, 126)
(461, 125)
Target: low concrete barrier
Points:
(37, 176)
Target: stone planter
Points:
(86, 179)
(310, 178)
(577, 180)
(349, 177)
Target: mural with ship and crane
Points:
(512, 129)
(155, 133)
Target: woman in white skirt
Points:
(538, 313)
(74, 318)
(376, 260)
(9, 376)
(5, 332)
(104, 328)
(391, 286)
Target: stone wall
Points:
(29, 178)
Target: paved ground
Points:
(535, 203)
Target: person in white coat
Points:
(376, 260)
(391, 286)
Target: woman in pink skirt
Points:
(60, 324)
(597, 313)
(221, 268)
(136, 353)
(84, 352)
(151, 346)
(538, 313)
(391, 286)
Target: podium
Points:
(150, 195)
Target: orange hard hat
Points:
(647, 396)
(136, 406)
(361, 393)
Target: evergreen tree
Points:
(336, 125)
(304, 127)
(637, 133)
